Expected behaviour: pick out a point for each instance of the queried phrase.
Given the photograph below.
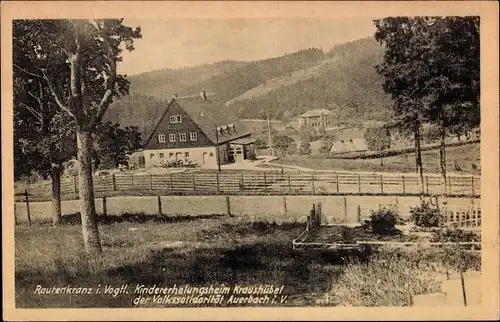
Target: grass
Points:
(464, 155)
(392, 278)
(214, 250)
(195, 250)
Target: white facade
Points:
(204, 156)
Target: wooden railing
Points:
(267, 182)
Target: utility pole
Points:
(269, 131)
(217, 147)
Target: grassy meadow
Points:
(204, 251)
(464, 156)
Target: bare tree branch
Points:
(56, 98)
(110, 82)
(27, 72)
(36, 114)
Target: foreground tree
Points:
(89, 51)
(43, 136)
(431, 70)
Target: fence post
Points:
(15, 213)
(313, 189)
(171, 181)
(289, 184)
(404, 188)
(132, 178)
(159, 205)
(194, 182)
(27, 206)
(464, 294)
(345, 209)
(114, 182)
(150, 181)
(284, 206)
(359, 214)
(242, 186)
(427, 183)
(75, 184)
(217, 181)
(449, 185)
(319, 214)
(472, 186)
(359, 183)
(381, 184)
(337, 182)
(265, 182)
(104, 206)
(228, 206)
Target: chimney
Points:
(203, 95)
(174, 96)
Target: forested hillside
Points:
(346, 83)
(165, 82)
(343, 80)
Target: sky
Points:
(177, 43)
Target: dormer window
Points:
(175, 119)
(193, 136)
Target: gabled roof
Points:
(349, 145)
(316, 112)
(208, 114)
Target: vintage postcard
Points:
(272, 160)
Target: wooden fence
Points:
(462, 217)
(319, 183)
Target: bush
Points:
(383, 221)
(425, 215)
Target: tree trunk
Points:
(442, 158)
(90, 229)
(418, 159)
(56, 195)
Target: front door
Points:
(204, 158)
(142, 161)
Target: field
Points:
(464, 156)
(204, 251)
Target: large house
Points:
(191, 128)
(316, 118)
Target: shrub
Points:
(425, 215)
(383, 221)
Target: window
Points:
(182, 137)
(162, 155)
(152, 155)
(170, 155)
(175, 119)
(161, 138)
(171, 137)
(186, 154)
(193, 136)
